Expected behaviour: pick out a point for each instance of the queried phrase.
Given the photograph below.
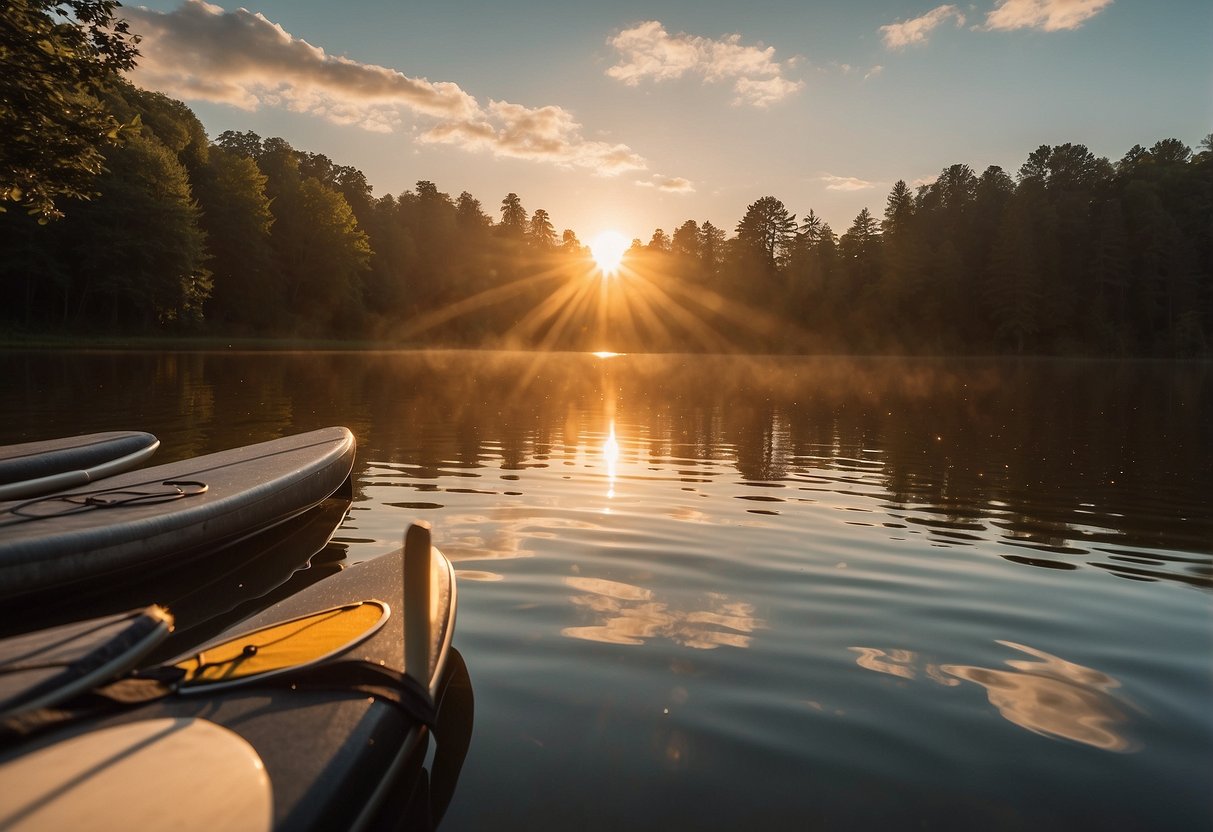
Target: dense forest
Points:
(168, 231)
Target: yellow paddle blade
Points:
(278, 647)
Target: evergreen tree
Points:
(659, 242)
(236, 216)
(513, 217)
(711, 248)
(899, 208)
(149, 270)
(541, 232)
(470, 217)
(569, 243)
(685, 242)
(1014, 291)
(766, 230)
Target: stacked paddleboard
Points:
(173, 512)
(313, 713)
(32, 469)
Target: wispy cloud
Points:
(540, 134)
(911, 32)
(648, 52)
(202, 52)
(848, 69)
(669, 184)
(1049, 15)
(845, 183)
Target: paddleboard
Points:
(32, 469)
(167, 513)
(43, 668)
(335, 753)
(181, 774)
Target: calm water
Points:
(794, 593)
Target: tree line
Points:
(137, 222)
(1073, 255)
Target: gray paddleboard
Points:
(167, 513)
(32, 469)
(46, 667)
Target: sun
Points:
(608, 249)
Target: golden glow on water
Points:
(1051, 697)
(742, 488)
(610, 455)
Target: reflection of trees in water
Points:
(1050, 696)
(761, 439)
(1059, 459)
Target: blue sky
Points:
(634, 116)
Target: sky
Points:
(633, 116)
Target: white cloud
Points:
(240, 58)
(845, 183)
(763, 92)
(669, 184)
(873, 72)
(924, 180)
(648, 52)
(543, 134)
(202, 52)
(1049, 15)
(909, 32)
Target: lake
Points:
(725, 592)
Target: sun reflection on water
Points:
(610, 455)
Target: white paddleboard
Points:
(180, 774)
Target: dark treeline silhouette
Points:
(250, 236)
(1074, 255)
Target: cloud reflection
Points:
(631, 614)
(1051, 697)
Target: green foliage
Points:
(149, 267)
(236, 217)
(56, 60)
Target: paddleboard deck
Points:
(114, 779)
(32, 469)
(335, 752)
(167, 513)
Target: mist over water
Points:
(703, 591)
